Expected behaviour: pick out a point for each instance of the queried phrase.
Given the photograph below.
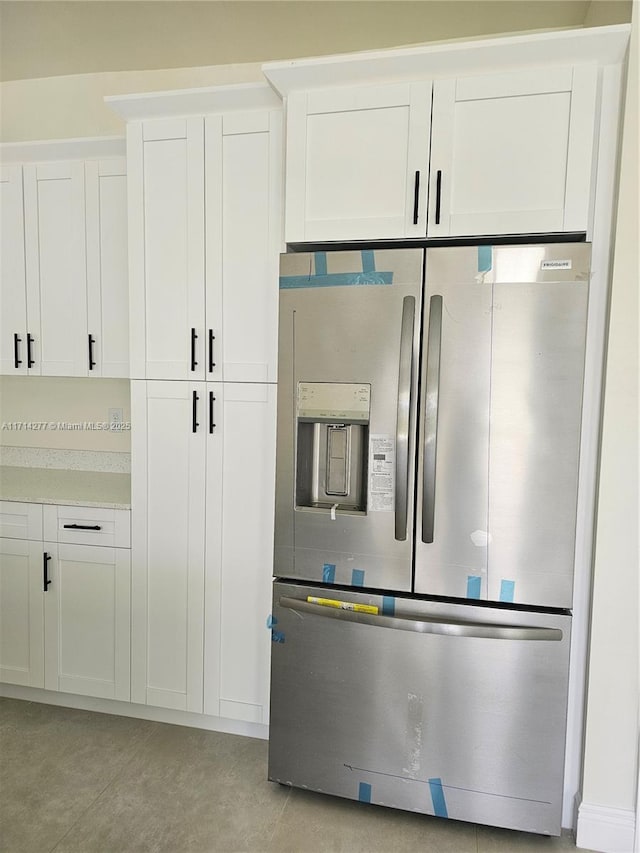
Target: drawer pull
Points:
(82, 527)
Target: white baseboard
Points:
(132, 709)
(605, 830)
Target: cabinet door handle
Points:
(212, 400)
(194, 338)
(17, 340)
(92, 363)
(30, 359)
(212, 338)
(194, 413)
(45, 571)
(416, 198)
(438, 195)
(82, 527)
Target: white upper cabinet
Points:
(511, 153)
(487, 137)
(107, 267)
(63, 274)
(204, 234)
(56, 268)
(357, 162)
(13, 294)
(243, 190)
(166, 210)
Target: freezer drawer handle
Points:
(432, 391)
(424, 625)
(403, 423)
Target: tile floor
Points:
(93, 783)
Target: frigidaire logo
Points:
(555, 265)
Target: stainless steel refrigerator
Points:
(429, 411)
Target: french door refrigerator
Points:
(429, 412)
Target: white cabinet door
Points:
(166, 237)
(56, 268)
(239, 553)
(107, 274)
(21, 612)
(243, 203)
(87, 620)
(357, 162)
(13, 294)
(511, 153)
(20, 520)
(168, 522)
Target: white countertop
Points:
(70, 488)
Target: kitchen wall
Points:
(70, 106)
(67, 411)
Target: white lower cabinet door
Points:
(168, 521)
(21, 612)
(87, 620)
(239, 549)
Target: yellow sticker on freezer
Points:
(343, 605)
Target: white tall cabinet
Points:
(204, 171)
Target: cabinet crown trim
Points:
(84, 148)
(603, 45)
(185, 102)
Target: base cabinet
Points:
(21, 612)
(86, 616)
(202, 495)
(64, 607)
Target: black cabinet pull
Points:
(416, 198)
(438, 195)
(82, 527)
(92, 363)
(194, 338)
(212, 338)
(30, 359)
(194, 415)
(45, 571)
(17, 340)
(212, 400)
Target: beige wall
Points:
(34, 399)
(610, 771)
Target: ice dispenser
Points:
(332, 446)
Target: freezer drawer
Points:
(452, 710)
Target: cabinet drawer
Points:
(20, 520)
(79, 525)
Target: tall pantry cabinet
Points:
(204, 233)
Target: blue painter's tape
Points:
(364, 792)
(321, 263)
(271, 621)
(277, 636)
(507, 588)
(485, 258)
(328, 573)
(474, 586)
(437, 798)
(388, 605)
(357, 577)
(336, 279)
(368, 261)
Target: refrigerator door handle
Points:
(432, 392)
(425, 625)
(403, 420)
